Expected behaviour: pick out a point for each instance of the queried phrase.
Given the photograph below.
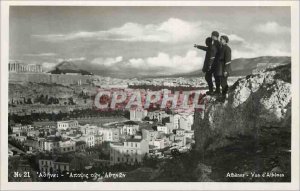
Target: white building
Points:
(80, 146)
(88, 129)
(149, 135)
(159, 143)
(130, 152)
(98, 139)
(46, 164)
(170, 84)
(130, 128)
(189, 134)
(186, 122)
(88, 139)
(67, 146)
(64, 125)
(163, 128)
(157, 115)
(51, 144)
(179, 141)
(49, 164)
(174, 119)
(109, 134)
(138, 114)
(22, 128)
(21, 138)
(180, 132)
(170, 127)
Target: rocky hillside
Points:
(251, 131)
(244, 66)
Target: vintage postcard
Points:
(149, 95)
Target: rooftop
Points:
(177, 141)
(130, 123)
(152, 147)
(53, 138)
(47, 157)
(63, 159)
(117, 143)
(80, 143)
(68, 121)
(133, 140)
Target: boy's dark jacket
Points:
(211, 56)
(224, 61)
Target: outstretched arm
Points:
(201, 47)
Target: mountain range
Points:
(245, 66)
(240, 67)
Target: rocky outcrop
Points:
(255, 119)
(255, 102)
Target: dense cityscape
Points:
(56, 133)
(53, 127)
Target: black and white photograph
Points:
(150, 93)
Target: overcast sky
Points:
(143, 39)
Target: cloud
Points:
(48, 66)
(251, 50)
(271, 28)
(162, 63)
(42, 54)
(107, 61)
(165, 63)
(235, 38)
(170, 31)
(71, 59)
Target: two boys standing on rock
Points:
(216, 63)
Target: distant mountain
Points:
(245, 66)
(69, 67)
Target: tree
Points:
(71, 101)
(17, 144)
(29, 101)
(151, 161)
(165, 120)
(9, 129)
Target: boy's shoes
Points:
(221, 99)
(209, 93)
(217, 93)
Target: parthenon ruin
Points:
(15, 66)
